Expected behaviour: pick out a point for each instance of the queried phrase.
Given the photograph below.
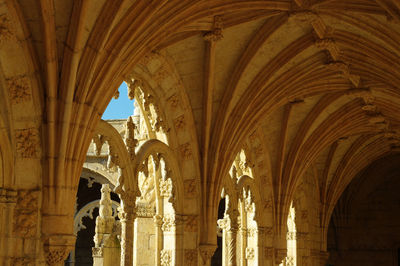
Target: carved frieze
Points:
(19, 89)
(27, 143)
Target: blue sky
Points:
(121, 108)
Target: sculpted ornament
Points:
(166, 188)
(5, 28)
(166, 258)
(250, 253)
(191, 257)
(190, 188)
(168, 223)
(19, 89)
(27, 142)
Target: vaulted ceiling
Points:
(317, 80)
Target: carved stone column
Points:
(106, 251)
(231, 245)
(158, 221)
(57, 248)
(127, 217)
(206, 252)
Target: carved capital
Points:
(57, 248)
(206, 252)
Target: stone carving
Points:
(190, 223)
(179, 122)
(25, 213)
(105, 221)
(216, 33)
(185, 151)
(168, 223)
(250, 253)
(191, 257)
(190, 188)
(19, 89)
(56, 256)
(98, 141)
(173, 101)
(57, 248)
(27, 142)
(5, 28)
(166, 257)
(206, 252)
(8, 196)
(113, 158)
(166, 188)
(329, 45)
(291, 235)
(289, 261)
(145, 210)
(130, 140)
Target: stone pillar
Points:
(231, 245)
(127, 218)
(158, 221)
(206, 253)
(106, 250)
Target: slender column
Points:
(159, 238)
(127, 218)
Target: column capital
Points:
(206, 252)
(57, 248)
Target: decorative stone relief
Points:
(166, 257)
(57, 248)
(130, 140)
(289, 261)
(216, 33)
(206, 252)
(185, 151)
(173, 101)
(145, 210)
(168, 223)
(250, 253)
(105, 221)
(19, 88)
(190, 257)
(98, 141)
(179, 122)
(190, 223)
(190, 188)
(291, 235)
(6, 32)
(166, 188)
(27, 142)
(25, 214)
